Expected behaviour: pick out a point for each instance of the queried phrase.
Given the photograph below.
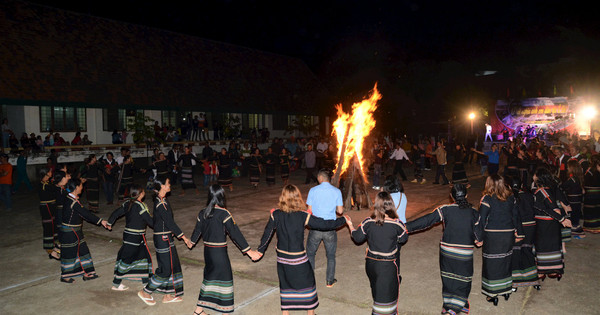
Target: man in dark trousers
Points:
(399, 155)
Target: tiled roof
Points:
(54, 56)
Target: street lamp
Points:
(471, 118)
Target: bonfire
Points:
(351, 131)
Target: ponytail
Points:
(216, 197)
(459, 194)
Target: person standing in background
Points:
(22, 172)
(6, 131)
(310, 160)
(6, 170)
(440, 155)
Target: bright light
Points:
(589, 112)
(472, 116)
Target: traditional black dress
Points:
(47, 194)
(167, 278)
(574, 192)
(456, 252)
(61, 196)
(126, 179)
(524, 269)
(297, 287)
(512, 163)
(92, 174)
(134, 261)
(254, 167)
(75, 257)
(384, 243)
(224, 178)
(161, 167)
(217, 285)
(548, 242)
(499, 221)
(591, 201)
(284, 161)
(270, 162)
(459, 175)
(187, 170)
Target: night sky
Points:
(424, 54)
(316, 30)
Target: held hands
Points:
(106, 225)
(349, 222)
(566, 223)
(187, 242)
(478, 243)
(254, 255)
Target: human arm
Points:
(197, 234)
(516, 218)
(267, 235)
(316, 223)
(425, 221)
(235, 234)
(117, 213)
(359, 235)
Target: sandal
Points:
(92, 277)
(69, 280)
(149, 301)
(121, 287)
(174, 300)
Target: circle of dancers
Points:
(521, 233)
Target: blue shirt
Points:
(493, 157)
(324, 199)
(400, 210)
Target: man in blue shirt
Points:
(324, 201)
(493, 156)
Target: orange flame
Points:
(359, 125)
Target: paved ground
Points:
(29, 281)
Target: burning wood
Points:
(351, 131)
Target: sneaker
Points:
(424, 181)
(414, 181)
(331, 283)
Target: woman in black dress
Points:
(92, 172)
(573, 188)
(500, 227)
(75, 257)
(284, 161)
(459, 174)
(255, 167)
(213, 225)
(385, 234)
(225, 170)
(167, 278)
(460, 222)
(548, 218)
(134, 261)
(524, 269)
(270, 161)
(187, 161)
(47, 195)
(297, 287)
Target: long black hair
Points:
(392, 185)
(158, 182)
(516, 185)
(216, 197)
(544, 178)
(72, 184)
(135, 190)
(58, 176)
(459, 194)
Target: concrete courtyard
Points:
(30, 281)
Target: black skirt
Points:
(496, 278)
(217, 286)
(383, 276)
(297, 285)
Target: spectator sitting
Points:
(77, 139)
(116, 137)
(58, 140)
(85, 140)
(13, 142)
(25, 142)
(46, 142)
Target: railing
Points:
(77, 153)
